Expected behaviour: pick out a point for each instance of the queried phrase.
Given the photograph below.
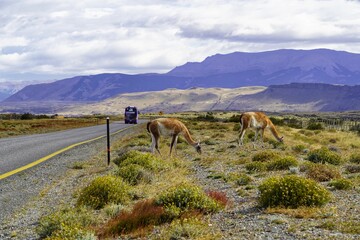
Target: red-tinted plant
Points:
(219, 197)
(144, 214)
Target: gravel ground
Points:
(243, 219)
(27, 196)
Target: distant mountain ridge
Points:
(232, 70)
(298, 97)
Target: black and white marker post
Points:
(108, 139)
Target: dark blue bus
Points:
(131, 115)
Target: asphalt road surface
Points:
(17, 152)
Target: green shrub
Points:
(185, 197)
(315, 126)
(209, 142)
(133, 174)
(265, 156)
(293, 123)
(322, 172)
(341, 184)
(236, 127)
(282, 164)
(255, 167)
(59, 223)
(355, 158)
(208, 117)
(277, 121)
(324, 155)
(71, 232)
(292, 192)
(243, 180)
(234, 118)
(104, 190)
(276, 144)
(146, 160)
(299, 148)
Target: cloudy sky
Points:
(53, 39)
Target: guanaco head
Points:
(281, 139)
(198, 147)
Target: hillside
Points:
(280, 98)
(170, 100)
(232, 70)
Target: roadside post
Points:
(108, 139)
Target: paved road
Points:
(16, 152)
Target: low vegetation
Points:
(308, 182)
(27, 123)
(292, 192)
(324, 155)
(104, 190)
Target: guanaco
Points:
(258, 121)
(169, 127)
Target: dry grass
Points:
(25, 127)
(304, 212)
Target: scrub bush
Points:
(67, 222)
(146, 160)
(322, 172)
(255, 167)
(265, 156)
(324, 155)
(133, 174)
(104, 190)
(282, 164)
(185, 197)
(292, 192)
(355, 158)
(341, 184)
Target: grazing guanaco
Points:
(169, 127)
(258, 121)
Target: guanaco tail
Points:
(169, 127)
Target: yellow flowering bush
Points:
(283, 163)
(104, 190)
(186, 197)
(59, 224)
(292, 192)
(146, 160)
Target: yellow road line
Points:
(43, 159)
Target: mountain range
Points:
(232, 70)
(316, 73)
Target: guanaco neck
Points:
(274, 131)
(188, 137)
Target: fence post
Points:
(108, 139)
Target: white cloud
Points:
(57, 38)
